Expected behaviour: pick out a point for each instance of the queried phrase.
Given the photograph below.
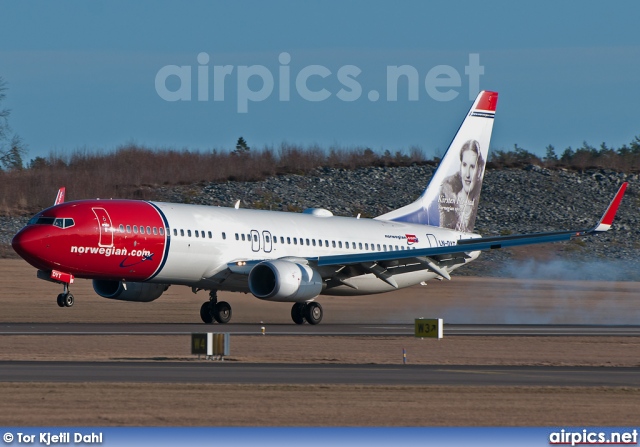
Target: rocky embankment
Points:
(533, 199)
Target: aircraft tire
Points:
(205, 313)
(60, 300)
(222, 312)
(68, 299)
(297, 313)
(313, 313)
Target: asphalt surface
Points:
(321, 329)
(227, 372)
(163, 371)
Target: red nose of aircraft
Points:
(31, 244)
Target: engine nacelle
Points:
(286, 281)
(130, 291)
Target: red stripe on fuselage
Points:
(98, 244)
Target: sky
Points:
(381, 74)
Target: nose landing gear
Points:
(65, 299)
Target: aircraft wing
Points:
(385, 264)
(434, 258)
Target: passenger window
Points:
(333, 243)
(295, 241)
(237, 237)
(141, 229)
(243, 239)
(175, 232)
(161, 230)
(339, 244)
(366, 246)
(255, 238)
(267, 239)
(181, 232)
(289, 240)
(346, 244)
(326, 243)
(188, 233)
(281, 239)
(320, 242)
(128, 228)
(155, 231)
(135, 229)
(196, 233)
(308, 242)
(360, 245)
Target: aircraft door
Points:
(255, 240)
(433, 242)
(267, 241)
(105, 226)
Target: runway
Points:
(280, 374)
(308, 330)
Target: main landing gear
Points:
(310, 312)
(65, 299)
(214, 310)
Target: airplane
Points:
(134, 250)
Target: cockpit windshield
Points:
(55, 221)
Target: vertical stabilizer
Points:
(60, 196)
(451, 198)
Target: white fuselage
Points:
(204, 240)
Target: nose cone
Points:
(29, 243)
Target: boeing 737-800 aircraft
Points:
(134, 250)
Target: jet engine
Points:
(285, 281)
(129, 291)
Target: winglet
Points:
(60, 196)
(610, 213)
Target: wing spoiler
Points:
(475, 244)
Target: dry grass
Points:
(161, 404)
(131, 170)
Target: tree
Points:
(12, 149)
(551, 155)
(38, 163)
(241, 147)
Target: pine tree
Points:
(12, 149)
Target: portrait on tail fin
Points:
(460, 192)
(453, 193)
